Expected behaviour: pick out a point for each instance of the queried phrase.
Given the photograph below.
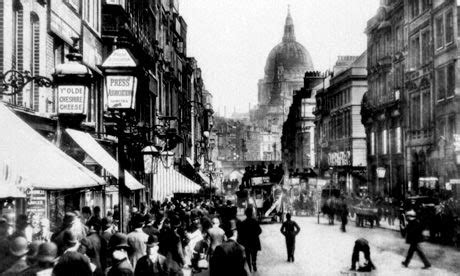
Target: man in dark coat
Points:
(248, 236)
(343, 213)
(119, 248)
(98, 247)
(413, 238)
(290, 229)
(152, 264)
(228, 258)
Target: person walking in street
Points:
(119, 248)
(343, 213)
(45, 260)
(248, 236)
(362, 245)
(18, 250)
(229, 258)
(290, 229)
(73, 263)
(152, 264)
(137, 239)
(216, 234)
(413, 238)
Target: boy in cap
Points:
(413, 238)
(152, 264)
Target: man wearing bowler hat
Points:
(45, 260)
(18, 251)
(152, 264)
(119, 248)
(413, 238)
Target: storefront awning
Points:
(203, 176)
(29, 160)
(102, 157)
(167, 182)
(8, 190)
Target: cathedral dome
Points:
(291, 55)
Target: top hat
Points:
(19, 247)
(47, 252)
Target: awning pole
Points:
(121, 177)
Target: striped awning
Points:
(167, 182)
(102, 157)
(28, 160)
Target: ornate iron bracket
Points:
(14, 81)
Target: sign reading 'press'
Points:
(120, 91)
(71, 99)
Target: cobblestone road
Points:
(324, 250)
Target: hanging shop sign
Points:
(36, 203)
(71, 99)
(120, 91)
(341, 158)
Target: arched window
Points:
(34, 59)
(17, 59)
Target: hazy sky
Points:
(231, 39)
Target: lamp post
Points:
(121, 71)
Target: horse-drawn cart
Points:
(365, 214)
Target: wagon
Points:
(364, 214)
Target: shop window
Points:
(398, 140)
(384, 142)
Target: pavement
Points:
(322, 249)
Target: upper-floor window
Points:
(445, 81)
(92, 14)
(415, 51)
(444, 29)
(372, 145)
(414, 8)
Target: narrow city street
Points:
(322, 249)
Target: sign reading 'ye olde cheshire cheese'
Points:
(71, 99)
(120, 91)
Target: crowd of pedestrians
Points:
(168, 238)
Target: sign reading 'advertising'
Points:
(71, 99)
(121, 91)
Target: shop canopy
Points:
(168, 181)
(202, 175)
(102, 157)
(28, 160)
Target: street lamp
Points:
(151, 157)
(121, 71)
(73, 81)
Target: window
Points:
(439, 28)
(35, 60)
(384, 142)
(426, 49)
(399, 38)
(440, 81)
(450, 80)
(444, 27)
(426, 5)
(92, 14)
(425, 109)
(372, 143)
(398, 140)
(415, 111)
(449, 27)
(445, 80)
(415, 51)
(414, 8)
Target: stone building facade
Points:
(410, 111)
(340, 135)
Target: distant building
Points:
(284, 71)
(340, 136)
